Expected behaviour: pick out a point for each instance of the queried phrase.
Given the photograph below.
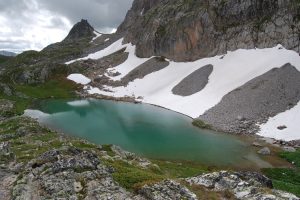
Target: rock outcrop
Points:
(167, 190)
(243, 185)
(189, 30)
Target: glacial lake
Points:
(146, 130)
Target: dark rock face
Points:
(189, 30)
(265, 96)
(150, 66)
(194, 82)
(80, 30)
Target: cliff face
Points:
(186, 30)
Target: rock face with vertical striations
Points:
(186, 30)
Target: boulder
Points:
(264, 151)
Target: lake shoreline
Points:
(273, 141)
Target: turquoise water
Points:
(147, 130)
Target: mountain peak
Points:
(80, 30)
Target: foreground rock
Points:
(167, 190)
(69, 174)
(247, 185)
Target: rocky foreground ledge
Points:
(36, 163)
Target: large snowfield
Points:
(230, 71)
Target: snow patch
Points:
(79, 78)
(116, 46)
(97, 35)
(290, 119)
(131, 63)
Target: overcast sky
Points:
(33, 24)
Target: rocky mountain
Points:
(7, 53)
(186, 30)
(240, 75)
(80, 30)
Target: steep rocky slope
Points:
(186, 30)
(245, 107)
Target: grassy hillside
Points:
(3, 59)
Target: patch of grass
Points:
(56, 144)
(55, 88)
(24, 58)
(180, 170)
(199, 123)
(292, 157)
(284, 178)
(4, 59)
(289, 187)
(83, 145)
(44, 137)
(132, 177)
(108, 149)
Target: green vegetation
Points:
(284, 178)
(56, 88)
(180, 170)
(27, 57)
(199, 123)
(133, 177)
(4, 59)
(292, 157)
(27, 139)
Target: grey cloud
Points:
(103, 15)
